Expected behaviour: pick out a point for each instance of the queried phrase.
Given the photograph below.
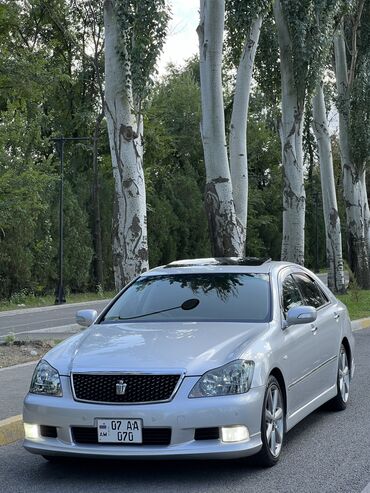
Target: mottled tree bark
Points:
(226, 231)
(238, 125)
(354, 177)
(294, 197)
(331, 216)
(130, 248)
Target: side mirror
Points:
(301, 315)
(86, 317)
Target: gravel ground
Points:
(23, 351)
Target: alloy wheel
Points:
(343, 375)
(274, 417)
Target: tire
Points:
(272, 424)
(340, 401)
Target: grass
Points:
(31, 301)
(357, 302)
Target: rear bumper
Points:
(182, 415)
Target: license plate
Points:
(120, 431)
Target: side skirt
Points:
(308, 408)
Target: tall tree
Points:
(303, 28)
(243, 22)
(134, 35)
(352, 68)
(331, 216)
(226, 192)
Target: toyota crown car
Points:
(206, 358)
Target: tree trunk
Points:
(226, 232)
(367, 216)
(354, 179)
(130, 248)
(294, 197)
(98, 260)
(331, 216)
(238, 125)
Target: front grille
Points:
(151, 436)
(139, 388)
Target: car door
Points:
(328, 331)
(300, 350)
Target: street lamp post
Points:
(60, 141)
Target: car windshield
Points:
(221, 296)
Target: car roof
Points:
(220, 264)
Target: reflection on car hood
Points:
(192, 346)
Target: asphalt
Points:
(327, 452)
(52, 322)
(14, 385)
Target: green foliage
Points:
(143, 25)
(49, 87)
(359, 107)
(239, 14)
(360, 118)
(357, 302)
(267, 66)
(10, 339)
(310, 24)
(265, 184)
(174, 170)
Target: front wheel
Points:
(272, 424)
(340, 401)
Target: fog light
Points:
(237, 433)
(31, 431)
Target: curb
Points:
(11, 430)
(362, 323)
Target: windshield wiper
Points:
(187, 305)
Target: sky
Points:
(182, 39)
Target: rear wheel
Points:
(272, 424)
(339, 403)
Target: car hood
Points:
(191, 346)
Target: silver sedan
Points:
(207, 358)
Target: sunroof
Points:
(219, 261)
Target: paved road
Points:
(14, 384)
(326, 453)
(45, 322)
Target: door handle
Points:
(313, 329)
(336, 315)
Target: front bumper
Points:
(182, 415)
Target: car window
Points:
(291, 294)
(311, 293)
(222, 297)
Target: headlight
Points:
(233, 378)
(46, 380)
